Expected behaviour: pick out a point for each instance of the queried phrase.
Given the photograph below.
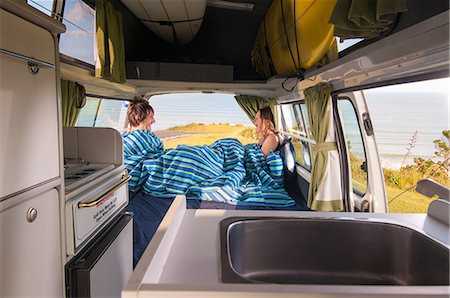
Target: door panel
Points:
(364, 163)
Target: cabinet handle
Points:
(30, 60)
(125, 179)
(31, 214)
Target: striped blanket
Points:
(225, 171)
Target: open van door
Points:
(367, 189)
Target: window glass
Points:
(294, 126)
(411, 124)
(191, 119)
(199, 119)
(304, 114)
(291, 121)
(79, 39)
(356, 151)
(302, 154)
(46, 6)
(344, 44)
(103, 113)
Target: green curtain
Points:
(251, 104)
(365, 18)
(73, 97)
(110, 43)
(318, 104)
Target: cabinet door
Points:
(29, 152)
(30, 252)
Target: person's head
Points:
(264, 122)
(140, 115)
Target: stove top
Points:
(78, 174)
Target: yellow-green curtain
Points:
(251, 104)
(365, 18)
(73, 97)
(110, 42)
(318, 104)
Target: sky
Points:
(439, 85)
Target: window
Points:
(79, 39)
(347, 43)
(99, 112)
(356, 151)
(200, 119)
(191, 118)
(46, 6)
(296, 127)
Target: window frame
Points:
(305, 138)
(70, 59)
(347, 153)
(121, 125)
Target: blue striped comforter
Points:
(225, 171)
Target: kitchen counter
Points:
(183, 257)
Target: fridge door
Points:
(104, 266)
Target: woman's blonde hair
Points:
(267, 123)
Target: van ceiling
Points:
(226, 37)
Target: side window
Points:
(100, 112)
(46, 6)
(294, 127)
(356, 151)
(79, 39)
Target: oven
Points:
(99, 233)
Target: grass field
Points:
(409, 202)
(207, 134)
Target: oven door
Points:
(104, 266)
(93, 209)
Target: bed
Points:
(223, 175)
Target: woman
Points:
(139, 143)
(139, 139)
(265, 130)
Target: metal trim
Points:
(125, 179)
(27, 59)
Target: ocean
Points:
(396, 116)
(198, 108)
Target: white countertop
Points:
(183, 257)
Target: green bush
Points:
(249, 133)
(436, 167)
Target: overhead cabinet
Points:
(29, 153)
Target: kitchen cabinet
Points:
(30, 252)
(29, 150)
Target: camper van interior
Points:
(90, 207)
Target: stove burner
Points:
(76, 175)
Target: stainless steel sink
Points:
(329, 251)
